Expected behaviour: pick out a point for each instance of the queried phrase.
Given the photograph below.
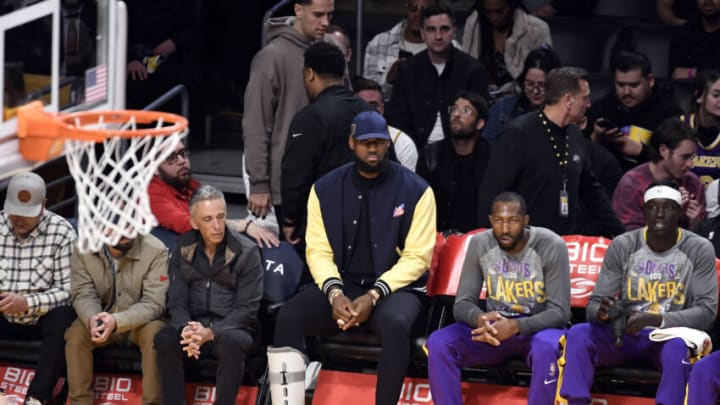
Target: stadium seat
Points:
(652, 40)
(585, 43)
(644, 10)
(682, 91)
(601, 83)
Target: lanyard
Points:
(561, 150)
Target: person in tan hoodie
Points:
(119, 296)
(274, 94)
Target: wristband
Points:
(247, 225)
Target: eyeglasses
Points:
(535, 86)
(466, 111)
(173, 157)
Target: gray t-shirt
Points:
(532, 286)
(680, 283)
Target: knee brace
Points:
(286, 372)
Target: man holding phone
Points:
(119, 296)
(634, 101)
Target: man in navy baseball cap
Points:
(369, 125)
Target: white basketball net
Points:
(111, 182)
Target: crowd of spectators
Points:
(494, 131)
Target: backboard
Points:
(68, 53)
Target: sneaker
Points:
(312, 371)
(32, 401)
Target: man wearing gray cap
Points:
(35, 250)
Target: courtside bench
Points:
(586, 254)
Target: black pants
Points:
(309, 313)
(230, 348)
(51, 359)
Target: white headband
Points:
(666, 192)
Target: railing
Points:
(68, 179)
(180, 90)
(267, 16)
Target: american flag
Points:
(96, 84)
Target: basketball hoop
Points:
(112, 155)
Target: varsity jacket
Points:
(402, 227)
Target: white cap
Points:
(25, 195)
(665, 192)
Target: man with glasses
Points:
(637, 101)
(455, 166)
(370, 237)
(671, 149)
(427, 82)
(389, 49)
(170, 190)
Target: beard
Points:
(124, 246)
(380, 167)
(178, 182)
(462, 133)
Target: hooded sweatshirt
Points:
(274, 94)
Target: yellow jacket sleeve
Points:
(319, 254)
(419, 244)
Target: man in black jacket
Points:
(543, 157)
(213, 300)
(454, 167)
(427, 82)
(317, 139)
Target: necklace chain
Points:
(562, 160)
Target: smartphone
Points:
(606, 124)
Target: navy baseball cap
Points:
(369, 125)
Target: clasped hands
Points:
(12, 303)
(193, 336)
(493, 328)
(349, 313)
(101, 325)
